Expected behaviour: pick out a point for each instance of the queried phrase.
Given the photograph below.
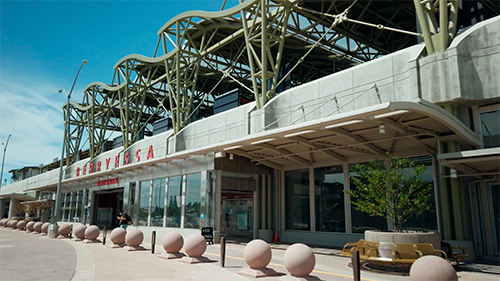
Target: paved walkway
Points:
(26, 256)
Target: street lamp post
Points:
(57, 210)
(3, 160)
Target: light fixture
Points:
(343, 124)
(231, 156)
(220, 154)
(381, 128)
(453, 173)
(388, 114)
(233, 147)
(262, 141)
(299, 133)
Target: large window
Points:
(174, 201)
(490, 129)
(297, 200)
(144, 203)
(158, 202)
(329, 199)
(362, 221)
(193, 201)
(428, 220)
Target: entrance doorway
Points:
(237, 213)
(107, 203)
(486, 208)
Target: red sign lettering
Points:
(117, 161)
(78, 171)
(137, 155)
(91, 168)
(99, 166)
(126, 158)
(107, 163)
(150, 152)
(107, 182)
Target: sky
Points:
(43, 43)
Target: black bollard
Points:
(355, 265)
(222, 251)
(153, 241)
(71, 232)
(104, 236)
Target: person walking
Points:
(124, 218)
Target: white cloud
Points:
(30, 110)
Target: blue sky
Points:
(42, 46)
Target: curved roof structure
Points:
(257, 48)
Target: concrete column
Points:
(2, 208)
(12, 207)
(263, 205)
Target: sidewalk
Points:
(100, 263)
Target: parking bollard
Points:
(104, 232)
(222, 251)
(355, 265)
(153, 241)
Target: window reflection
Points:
(158, 202)
(174, 202)
(329, 199)
(143, 203)
(193, 201)
(297, 200)
(362, 221)
(490, 129)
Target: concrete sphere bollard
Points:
(21, 225)
(29, 226)
(13, 224)
(195, 245)
(117, 236)
(134, 237)
(172, 242)
(2, 222)
(299, 260)
(257, 254)
(45, 227)
(92, 232)
(38, 227)
(432, 268)
(64, 229)
(79, 231)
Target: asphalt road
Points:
(28, 257)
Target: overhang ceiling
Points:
(481, 162)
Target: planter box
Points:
(405, 237)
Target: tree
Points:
(395, 193)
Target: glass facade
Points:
(193, 201)
(297, 204)
(144, 203)
(72, 206)
(158, 202)
(174, 201)
(362, 221)
(490, 129)
(329, 199)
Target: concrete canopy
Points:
(17, 196)
(477, 163)
(402, 127)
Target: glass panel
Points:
(362, 221)
(158, 202)
(329, 199)
(174, 202)
(495, 207)
(193, 202)
(142, 220)
(428, 219)
(297, 200)
(490, 128)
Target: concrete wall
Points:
(468, 70)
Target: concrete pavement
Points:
(26, 256)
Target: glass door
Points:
(494, 206)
